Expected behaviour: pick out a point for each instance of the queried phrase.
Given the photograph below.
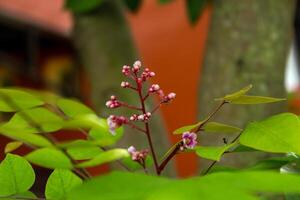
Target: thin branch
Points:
(136, 127)
(130, 106)
(169, 157)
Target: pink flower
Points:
(126, 70)
(137, 155)
(115, 122)
(169, 97)
(113, 102)
(154, 88)
(189, 140)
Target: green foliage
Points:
(50, 158)
(213, 153)
(105, 157)
(237, 185)
(187, 128)
(60, 182)
(21, 100)
(195, 8)
(72, 108)
(278, 134)
(216, 127)
(79, 6)
(16, 175)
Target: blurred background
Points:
(200, 49)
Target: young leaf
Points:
(105, 157)
(60, 182)
(73, 108)
(278, 134)
(187, 128)
(245, 99)
(213, 153)
(79, 6)
(195, 8)
(133, 5)
(11, 146)
(236, 95)
(16, 175)
(11, 100)
(49, 158)
(219, 127)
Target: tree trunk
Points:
(248, 44)
(104, 44)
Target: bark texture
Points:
(248, 44)
(104, 44)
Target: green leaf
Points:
(219, 127)
(12, 100)
(49, 158)
(79, 6)
(17, 133)
(187, 128)
(35, 120)
(102, 136)
(16, 175)
(245, 99)
(11, 146)
(84, 153)
(195, 8)
(242, 148)
(235, 95)
(133, 5)
(60, 182)
(271, 163)
(213, 152)
(133, 165)
(277, 134)
(223, 185)
(23, 195)
(73, 108)
(105, 157)
(84, 121)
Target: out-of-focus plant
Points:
(35, 117)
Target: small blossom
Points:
(189, 140)
(126, 70)
(154, 88)
(169, 97)
(136, 66)
(147, 74)
(131, 149)
(144, 117)
(115, 122)
(125, 84)
(113, 102)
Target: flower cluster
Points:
(138, 156)
(138, 76)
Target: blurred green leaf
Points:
(73, 108)
(102, 136)
(271, 163)
(11, 146)
(12, 100)
(245, 99)
(216, 186)
(34, 120)
(187, 128)
(16, 175)
(84, 152)
(133, 165)
(242, 148)
(80, 6)
(49, 158)
(105, 157)
(24, 135)
(219, 127)
(195, 8)
(60, 182)
(133, 5)
(278, 134)
(213, 152)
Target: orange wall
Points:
(173, 48)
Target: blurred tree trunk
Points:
(248, 43)
(104, 44)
